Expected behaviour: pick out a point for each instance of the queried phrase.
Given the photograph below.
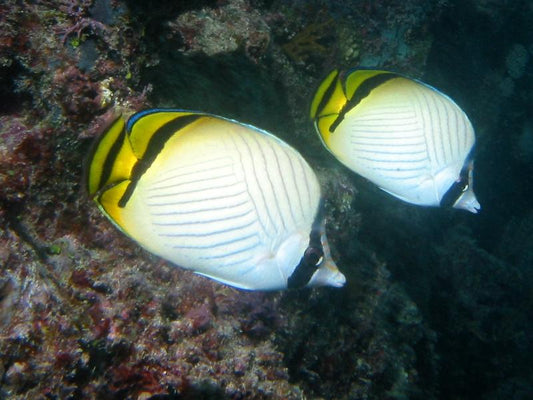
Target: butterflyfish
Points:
(224, 199)
(403, 135)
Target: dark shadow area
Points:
(152, 15)
(454, 264)
(229, 85)
(12, 99)
(469, 46)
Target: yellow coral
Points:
(306, 42)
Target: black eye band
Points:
(312, 256)
(307, 267)
(458, 187)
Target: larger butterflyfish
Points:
(224, 199)
(403, 135)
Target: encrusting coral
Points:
(85, 313)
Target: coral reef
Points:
(434, 300)
(230, 27)
(370, 342)
(83, 325)
(306, 43)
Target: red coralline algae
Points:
(77, 95)
(84, 312)
(83, 24)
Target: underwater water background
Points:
(438, 303)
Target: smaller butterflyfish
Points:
(224, 199)
(403, 135)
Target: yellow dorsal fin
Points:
(322, 92)
(144, 125)
(327, 104)
(354, 79)
(329, 98)
(112, 158)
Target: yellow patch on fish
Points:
(224, 199)
(403, 135)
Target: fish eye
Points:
(313, 256)
(456, 190)
(462, 184)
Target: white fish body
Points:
(406, 137)
(228, 201)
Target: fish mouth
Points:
(468, 201)
(336, 277)
(327, 273)
(475, 207)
